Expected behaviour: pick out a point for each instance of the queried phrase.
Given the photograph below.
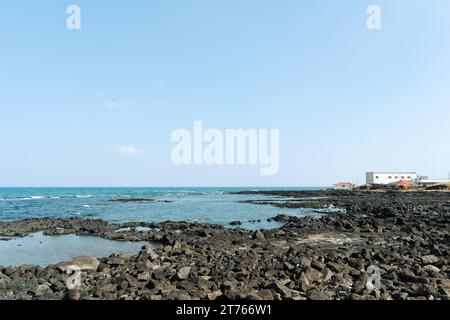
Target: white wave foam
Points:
(29, 198)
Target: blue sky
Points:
(346, 100)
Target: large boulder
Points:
(80, 263)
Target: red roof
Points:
(344, 184)
(403, 184)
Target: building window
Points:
(390, 177)
(403, 177)
(377, 177)
(409, 177)
(396, 177)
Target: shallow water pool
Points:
(38, 249)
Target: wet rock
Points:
(132, 200)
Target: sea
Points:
(203, 205)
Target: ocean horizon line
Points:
(162, 187)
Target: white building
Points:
(389, 177)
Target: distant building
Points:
(385, 178)
(344, 186)
(403, 184)
(424, 181)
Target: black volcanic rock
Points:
(405, 235)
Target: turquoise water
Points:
(207, 205)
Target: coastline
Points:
(405, 235)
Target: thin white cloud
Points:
(129, 151)
(117, 104)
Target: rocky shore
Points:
(403, 235)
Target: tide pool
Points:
(38, 249)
